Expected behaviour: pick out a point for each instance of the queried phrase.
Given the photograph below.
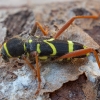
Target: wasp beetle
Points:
(43, 48)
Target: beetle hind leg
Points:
(80, 53)
(64, 27)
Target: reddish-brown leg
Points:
(69, 23)
(80, 53)
(37, 70)
(30, 65)
(37, 24)
(38, 74)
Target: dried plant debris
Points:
(64, 11)
(72, 90)
(97, 86)
(23, 87)
(76, 90)
(3, 31)
(89, 91)
(17, 81)
(81, 11)
(55, 74)
(19, 22)
(94, 33)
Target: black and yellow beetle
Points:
(45, 48)
(41, 48)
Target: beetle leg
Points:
(64, 27)
(80, 53)
(29, 64)
(44, 31)
(38, 70)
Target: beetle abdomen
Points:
(53, 47)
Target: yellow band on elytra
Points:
(30, 40)
(85, 48)
(43, 57)
(52, 47)
(51, 39)
(24, 47)
(38, 48)
(7, 52)
(70, 46)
